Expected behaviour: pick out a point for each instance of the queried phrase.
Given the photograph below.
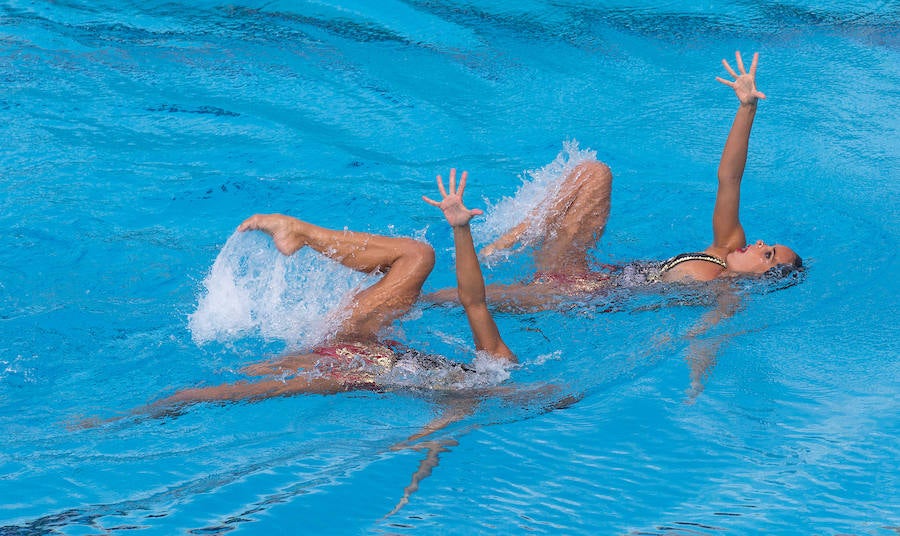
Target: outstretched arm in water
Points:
(703, 350)
(469, 279)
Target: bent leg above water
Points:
(575, 219)
(405, 262)
(408, 263)
(568, 223)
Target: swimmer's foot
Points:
(287, 233)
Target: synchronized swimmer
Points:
(571, 221)
(356, 357)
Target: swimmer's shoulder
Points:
(700, 266)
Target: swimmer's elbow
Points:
(730, 174)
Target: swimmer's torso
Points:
(378, 365)
(698, 266)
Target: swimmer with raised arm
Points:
(355, 358)
(570, 222)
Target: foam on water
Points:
(253, 290)
(489, 372)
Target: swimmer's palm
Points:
(745, 89)
(456, 213)
(451, 203)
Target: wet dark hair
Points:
(784, 269)
(784, 275)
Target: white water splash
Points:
(252, 289)
(541, 359)
(491, 370)
(537, 185)
(411, 374)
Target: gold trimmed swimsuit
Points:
(684, 257)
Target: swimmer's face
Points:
(759, 257)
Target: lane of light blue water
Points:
(140, 135)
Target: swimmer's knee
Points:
(595, 182)
(595, 170)
(590, 177)
(420, 253)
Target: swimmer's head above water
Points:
(762, 259)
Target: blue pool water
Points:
(137, 135)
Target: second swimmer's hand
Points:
(451, 202)
(744, 84)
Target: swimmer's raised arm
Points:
(728, 233)
(469, 279)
